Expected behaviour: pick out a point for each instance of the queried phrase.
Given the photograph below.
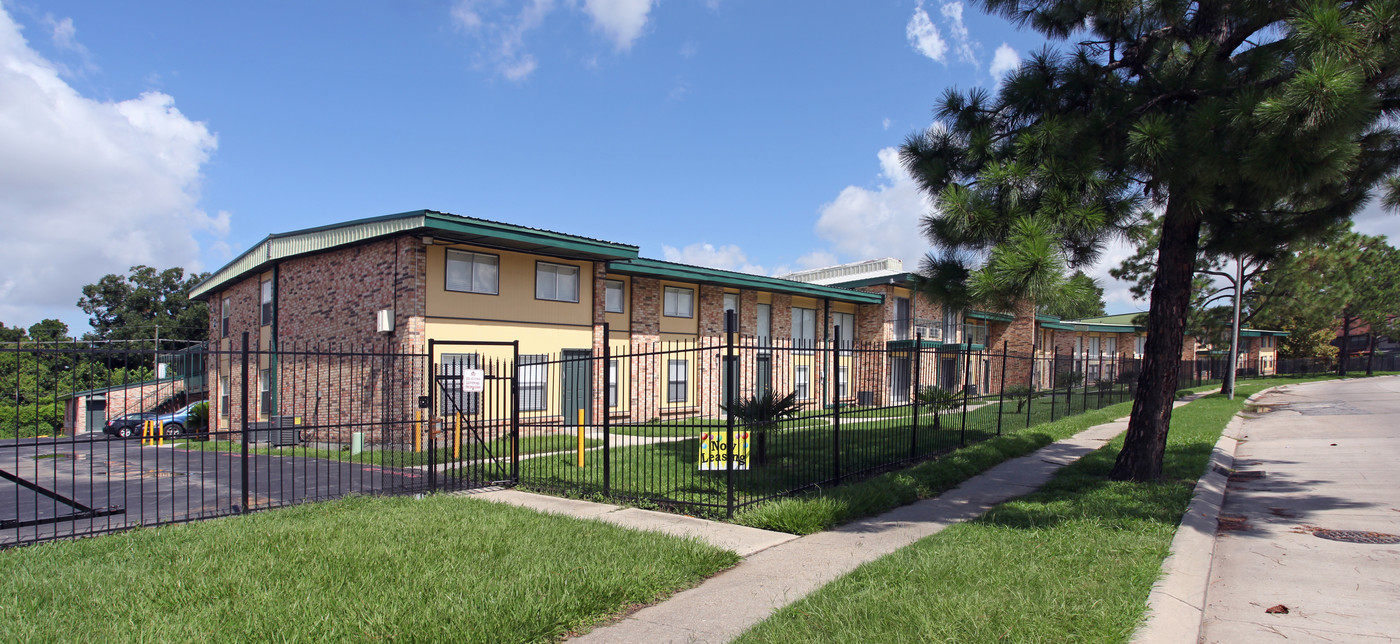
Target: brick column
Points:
(644, 386)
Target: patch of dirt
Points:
(1233, 524)
(1287, 514)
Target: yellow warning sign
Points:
(714, 451)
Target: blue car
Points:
(174, 423)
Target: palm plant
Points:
(938, 401)
(198, 420)
(760, 413)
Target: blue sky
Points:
(739, 134)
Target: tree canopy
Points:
(1248, 125)
(132, 306)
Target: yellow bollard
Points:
(160, 433)
(580, 438)
(418, 430)
(457, 439)
(146, 432)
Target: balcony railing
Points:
(910, 328)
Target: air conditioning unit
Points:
(384, 321)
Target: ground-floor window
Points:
(677, 381)
(534, 381)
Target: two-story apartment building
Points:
(488, 292)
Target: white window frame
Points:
(265, 302)
(765, 325)
(847, 323)
(843, 382)
(804, 328)
(613, 367)
(551, 280)
(611, 287)
(265, 391)
(673, 297)
(1110, 347)
(1095, 347)
(534, 382)
(731, 303)
(224, 390)
(1139, 345)
(472, 260)
(802, 381)
(677, 380)
(223, 317)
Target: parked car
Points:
(126, 426)
(173, 424)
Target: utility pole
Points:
(1229, 387)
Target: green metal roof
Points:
(1060, 326)
(447, 226)
(987, 315)
(1125, 319)
(1256, 333)
(687, 273)
(116, 387)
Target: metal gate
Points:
(474, 416)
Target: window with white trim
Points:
(612, 382)
(534, 382)
(469, 272)
(1093, 347)
(845, 323)
(765, 325)
(223, 317)
(557, 282)
(1110, 347)
(265, 391)
(1139, 345)
(223, 395)
(613, 296)
(804, 328)
(677, 381)
(731, 303)
(843, 381)
(266, 300)
(803, 381)
(678, 302)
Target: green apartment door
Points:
(577, 386)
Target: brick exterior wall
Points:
(647, 374)
(1017, 339)
(353, 378)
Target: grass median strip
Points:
(1071, 562)
(442, 568)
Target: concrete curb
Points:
(1177, 603)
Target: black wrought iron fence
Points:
(94, 439)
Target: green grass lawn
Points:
(1071, 562)
(442, 568)
(801, 454)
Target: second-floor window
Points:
(473, 272)
(223, 317)
(267, 302)
(731, 303)
(765, 325)
(678, 302)
(557, 282)
(612, 296)
(265, 391)
(845, 324)
(804, 328)
(1139, 345)
(903, 319)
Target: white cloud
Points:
(885, 123)
(925, 37)
(957, 30)
(502, 30)
(1116, 296)
(1004, 61)
(503, 36)
(88, 187)
(621, 20)
(727, 257)
(1374, 220)
(864, 223)
(689, 49)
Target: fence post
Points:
(1001, 386)
(836, 410)
(967, 380)
(914, 429)
(1101, 377)
(1030, 385)
(730, 322)
(515, 411)
(607, 407)
(243, 409)
(1054, 377)
(418, 430)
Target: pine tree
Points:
(1246, 124)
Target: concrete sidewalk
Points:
(779, 568)
(1318, 456)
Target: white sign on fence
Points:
(473, 380)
